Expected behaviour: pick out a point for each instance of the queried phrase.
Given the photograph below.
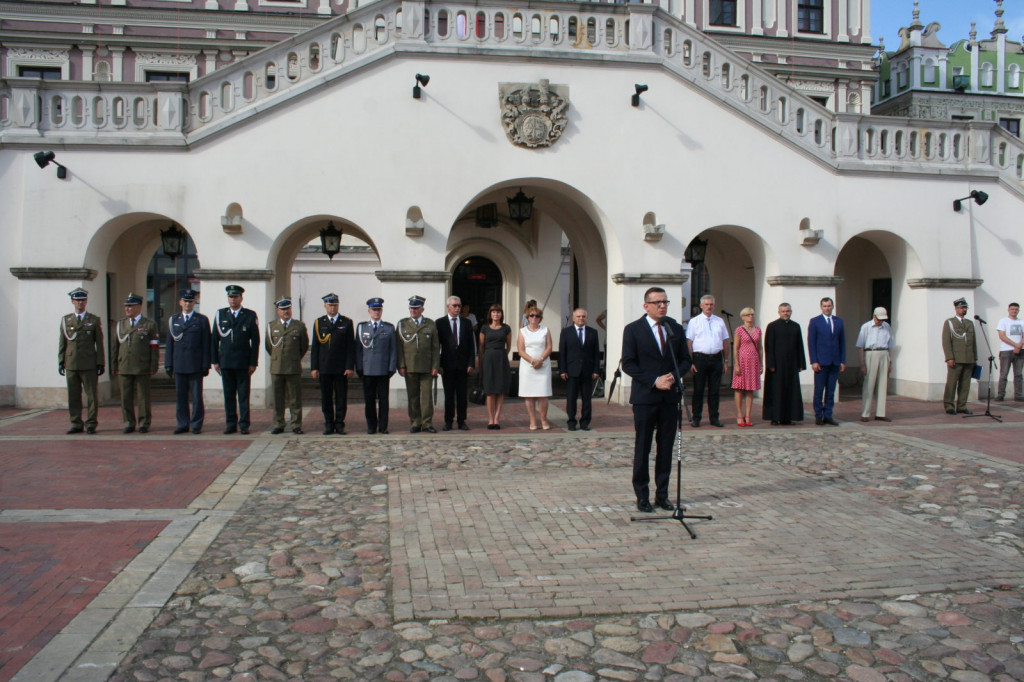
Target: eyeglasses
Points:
(664, 302)
(747, 315)
(533, 315)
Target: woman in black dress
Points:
(496, 342)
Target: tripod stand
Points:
(991, 365)
(679, 513)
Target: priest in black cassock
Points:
(783, 362)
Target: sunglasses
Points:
(533, 315)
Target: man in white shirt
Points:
(1011, 337)
(707, 338)
(874, 342)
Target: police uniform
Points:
(959, 345)
(135, 358)
(376, 362)
(80, 361)
(187, 359)
(236, 348)
(419, 358)
(287, 342)
(332, 356)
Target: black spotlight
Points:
(421, 79)
(44, 159)
(636, 96)
(978, 196)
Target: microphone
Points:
(727, 313)
(668, 331)
(980, 320)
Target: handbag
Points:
(476, 394)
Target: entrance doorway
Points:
(478, 282)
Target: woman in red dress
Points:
(747, 368)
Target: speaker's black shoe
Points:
(143, 429)
(964, 412)
(644, 506)
(572, 427)
(463, 427)
(830, 421)
(180, 429)
(90, 430)
(716, 422)
(382, 431)
(128, 429)
(276, 430)
(371, 431)
(74, 429)
(196, 432)
(819, 421)
(231, 429)
(329, 429)
(244, 430)
(695, 423)
(446, 427)
(664, 504)
(429, 429)
(951, 411)
(585, 428)
(414, 429)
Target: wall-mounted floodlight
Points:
(421, 79)
(635, 100)
(44, 159)
(978, 196)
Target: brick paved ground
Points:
(869, 552)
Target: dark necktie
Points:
(661, 336)
(455, 332)
(375, 327)
(580, 330)
(133, 322)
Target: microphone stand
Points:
(991, 364)
(679, 513)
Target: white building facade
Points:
(797, 199)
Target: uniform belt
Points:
(876, 349)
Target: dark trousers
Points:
(334, 399)
(83, 381)
(646, 420)
(579, 387)
(185, 385)
(455, 396)
(709, 378)
(825, 390)
(375, 394)
(236, 396)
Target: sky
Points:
(955, 16)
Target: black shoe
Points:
(644, 506)
(244, 430)
(964, 412)
(329, 429)
(180, 429)
(463, 427)
(830, 421)
(143, 429)
(695, 423)
(950, 411)
(775, 423)
(572, 427)
(818, 421)
(231, 429)
(128, 429)
(715, 422)
(414, 429)
(787, 422)
(90, 430)
(340, 430)
(371, 431)
(1000, 398)
(74, 429)
(196, 432)
(384, 431)
(664, 504)
(297, 431)
(276, 430)
(585, 428)
(428, 429)
(446, 427)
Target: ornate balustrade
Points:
(169, 114)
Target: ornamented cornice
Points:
(944, 283)
(234, 275)
(649, 278)
(804, 281)
(413, 275)
(54, 273)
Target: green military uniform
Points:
(419, 354)
(80, 360)
(135, 358)
(287, 342)
(960, 345)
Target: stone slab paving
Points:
(500, 545)
(306, 579)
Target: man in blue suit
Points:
(647, 349)
(187, 359)
(826, 344)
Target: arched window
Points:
(987, 75)
(931, 72)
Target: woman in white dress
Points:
(534, 346)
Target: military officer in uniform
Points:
(960, 348)
(419, 359)
(134, 359)
(376, 362)
(333, 362)
(287, 342)
(236, 354)
(187, 360)
(80, 360)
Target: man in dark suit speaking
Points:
(647, 349)
(579, 360)
(458, 356)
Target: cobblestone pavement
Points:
(853, 554)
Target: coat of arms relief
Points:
(534, 114)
